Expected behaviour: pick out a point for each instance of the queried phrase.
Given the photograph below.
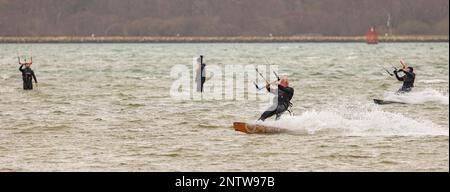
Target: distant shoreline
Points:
(242, 39)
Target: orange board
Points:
(256, 129)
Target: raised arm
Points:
(270, 90)
(396, 75)
(21, 67)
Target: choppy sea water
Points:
(108, 107)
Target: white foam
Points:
(6, 89)
(420, 97)
(433, 81)
(5, 77)
(366, 120)
(287, 47)
(148, 78)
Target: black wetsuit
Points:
(203, 75)
(27, 76)
(285, 95)
(408, 81)
(201, 78)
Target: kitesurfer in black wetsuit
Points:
(27, 75)
(408, 79)
(284, 94)
(201, 74)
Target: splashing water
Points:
(421, 97)
(366, 120)
(433, 81)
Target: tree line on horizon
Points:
(222, 17)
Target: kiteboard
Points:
(257, 129)
(383, 102)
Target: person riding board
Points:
(27, 75)
(408, 78)
(282, 101)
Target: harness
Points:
(289, 108)
(288, 105)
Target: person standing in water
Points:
(27, 75)
(284, 94)
(200, 74)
